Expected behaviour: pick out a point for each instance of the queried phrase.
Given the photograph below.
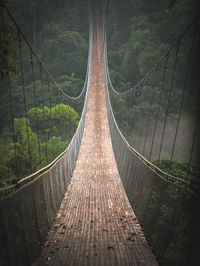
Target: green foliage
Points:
(70, 84)
(5, 170)
(53, 148)
(56, 128)
(8, 46)
(171, 5)
(58, 30)
(139, 32)
(167, 223)
(66, 50)
(26, 147)
(171, 213)
(177, 169)
(60, 120)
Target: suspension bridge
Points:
(100, 201)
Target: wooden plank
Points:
(96, 224)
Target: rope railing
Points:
(156, 65)
(160, 200)
(32, 79)
(28, 208)
(168, 177)
(39, 60)
(152, 110)
(162, 174)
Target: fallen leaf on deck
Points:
(131, 238)
(133, 234)
(57, 226)
(47, 244)
(110, 247)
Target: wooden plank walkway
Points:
(95, 224)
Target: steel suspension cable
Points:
(24, 101)
(12, 123)
(148, 122)
(43, 108)
(158, 63)
(105, 24)
(169, 99)
(159, 105)
(140, 136)
(161, 173)
(194, 140)
(39, 60)
(35, 106)
(11, 106)
(184, 89)
(167, 177)
(50, 105)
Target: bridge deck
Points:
(95, 224)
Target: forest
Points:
(137, 35)
(138, 32)
(59, 35)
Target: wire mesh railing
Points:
(38, 117)
(164, 203)
(160, 115)
(28, 208)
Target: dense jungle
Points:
(138, 33)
